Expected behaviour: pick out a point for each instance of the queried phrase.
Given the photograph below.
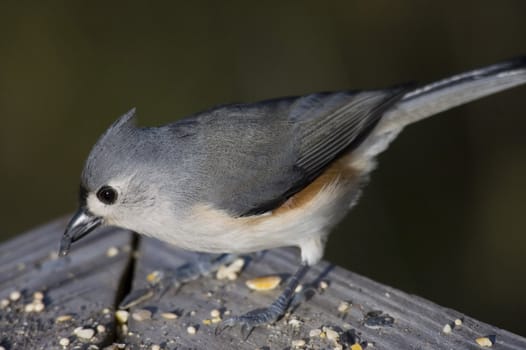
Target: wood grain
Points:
(418, 323)
(89, 281)
(81, 285)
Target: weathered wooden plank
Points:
(81, 285)
(418, 323)
(89, 281)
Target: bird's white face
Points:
(122, 202)
(108, 201)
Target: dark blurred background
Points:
(444, 216)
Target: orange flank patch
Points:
(340, 170)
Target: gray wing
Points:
(248, 159)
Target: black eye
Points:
(107, 195)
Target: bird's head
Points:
(114, 185)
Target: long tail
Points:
(442, 95)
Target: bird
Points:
(246, 177)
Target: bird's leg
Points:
(266, 315)
(163, 280)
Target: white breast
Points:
(303, 221)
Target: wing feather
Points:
(297, 139)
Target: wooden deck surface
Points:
(84, 289)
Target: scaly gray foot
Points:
(268, 315)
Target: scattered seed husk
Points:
(29, 307)
(35, 306)
(343, 306)
(101, 328)
(155, 347)
(142, 315)
(154, 276)
(346, 326)
(316, 332)
(356, 347)
(38, 296)
(215, 313)
(207, 322)
(294, 323)
(112, 251)
(486, 341)
(263, 283)
(4, 303)
(39, 307)
(84, 333)
(331, 334)
(122, 316)
(15, 295)
(191, 330)
(169, 315)
(323, 285)
(298, 343)
(63, 318)
(458, 322)
(63, 342)
(231, 271)
(447, 328)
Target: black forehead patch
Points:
(83, 195)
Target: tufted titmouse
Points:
(246, 177)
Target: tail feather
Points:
(440, 96)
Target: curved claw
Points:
(304, 295)
(244, 321)
(267, 315)
(249, 321)
(229, 323)
(246, 330)
(136, 297)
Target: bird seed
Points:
(263, 283)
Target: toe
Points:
(246, 330)
(136, 297)
(228, 323)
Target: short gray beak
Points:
(82, 223)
